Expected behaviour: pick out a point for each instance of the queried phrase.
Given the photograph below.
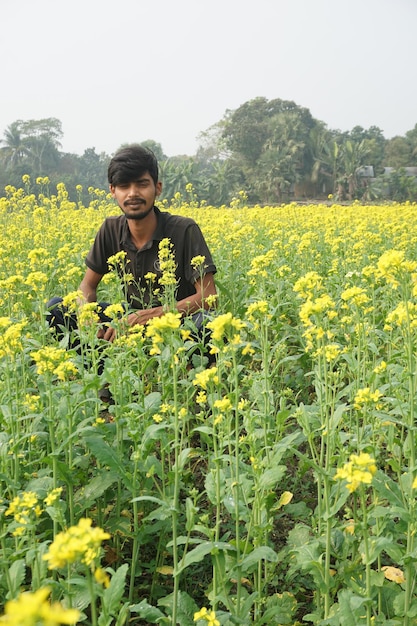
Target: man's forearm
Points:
(89, 294)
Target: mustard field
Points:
(278, 486)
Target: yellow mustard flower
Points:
(367, 397)
(34, 609)
(208, 616)
(80, 543)
(52, 496)
(205, 377)
(358, 471)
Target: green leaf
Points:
(123, 614)
(17, 572)
(148, 612)
(390, 491)
(399, 603)
(342, 496)
(271, 477)
(148, 499)
(216, 475)
(108, 456)
(198, 553)
(95, 488)
(262, 553)
(279, 609)
(190, 511)
(349, 605)
(152, 401)
(113, 594)
(186, 607)
(182, 457)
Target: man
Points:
(137, 233)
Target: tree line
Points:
(273, 150)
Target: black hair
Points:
(130, 162)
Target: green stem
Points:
(367, 559)
(409, 568)
(90, 584)
(236, 489)
(175, 503)
(135, 547)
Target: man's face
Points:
(137, 197)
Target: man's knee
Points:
(55, 312)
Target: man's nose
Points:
(133, 190)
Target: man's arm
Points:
(88, 286)
(204, 288)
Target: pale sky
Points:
(122, 71)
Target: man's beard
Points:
(137, 216)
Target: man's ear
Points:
(111, 188)
(158, 188)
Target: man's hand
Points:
(141, 316)
(108, 334)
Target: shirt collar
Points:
(158, 235)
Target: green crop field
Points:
(276, 487)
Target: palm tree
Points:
(221, 182)
(176, 172)
(353, 158)
(14, 149)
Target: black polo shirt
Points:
(188, 242)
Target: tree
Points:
(411, 137)
(156, 149)
(374, 144)
(13, 146)
(222, 179)
(34, 144)
(93, 168)
(353, 157)
(398, 153)
(269, 138)
(176, 173)
(324, 151)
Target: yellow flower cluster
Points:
(80, 543)
(117, 260)
(11, 336)
(114, 311)
(53, 496)
(257, 310)
(34, 609)
(308, 285)
(205, 377)
(404, 315)
(226, 326)
(260, 265)
(54, 361)
(197, 262)
(358, 471)
(71, 299)
(356, 295)
(223, 404)
(392, 266)
(323, 305)
(366, 397)
(167, 263)
(157, 327)
(24, 508)
(87, 315)
(206, 615)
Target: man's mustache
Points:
(134, 201)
